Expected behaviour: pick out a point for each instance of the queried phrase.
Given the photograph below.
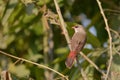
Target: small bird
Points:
(77, 43)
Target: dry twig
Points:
(110, 38)
(39, 65)
(63, 26)
(117, 34)
(92, 63)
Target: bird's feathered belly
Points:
(77, 42)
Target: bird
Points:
(77, 43)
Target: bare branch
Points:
(92, 63)
(110, 38)
(39, 65)
(63, 26)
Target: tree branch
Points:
(92, 63)
(39, 65)
(63, 25)
(110, 38)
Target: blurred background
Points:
(31, 29)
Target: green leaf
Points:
(33, 56)
(19, 70)
(62, 50)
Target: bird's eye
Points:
(76, 26)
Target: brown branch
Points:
(115, 33)
(113, 11)
(31, 62)
(92, 63)
(63, 25)
(110, 38)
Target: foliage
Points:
(31, 30)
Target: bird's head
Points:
(78, 28)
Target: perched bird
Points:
(77, 43)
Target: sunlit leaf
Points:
(19, 70)
(61, 50)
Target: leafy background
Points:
(30, 29)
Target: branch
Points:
(115, 32)
(92, 63)
(39, 65)
(63, 26)
(110, 38)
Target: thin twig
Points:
(115, 50)
(110, 38)
(110, 10)
(39, 65)
(17, 61)
(92, 63)
(115, 33)
(63, 26)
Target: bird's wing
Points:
(77, 42)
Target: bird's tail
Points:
(70, 59)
